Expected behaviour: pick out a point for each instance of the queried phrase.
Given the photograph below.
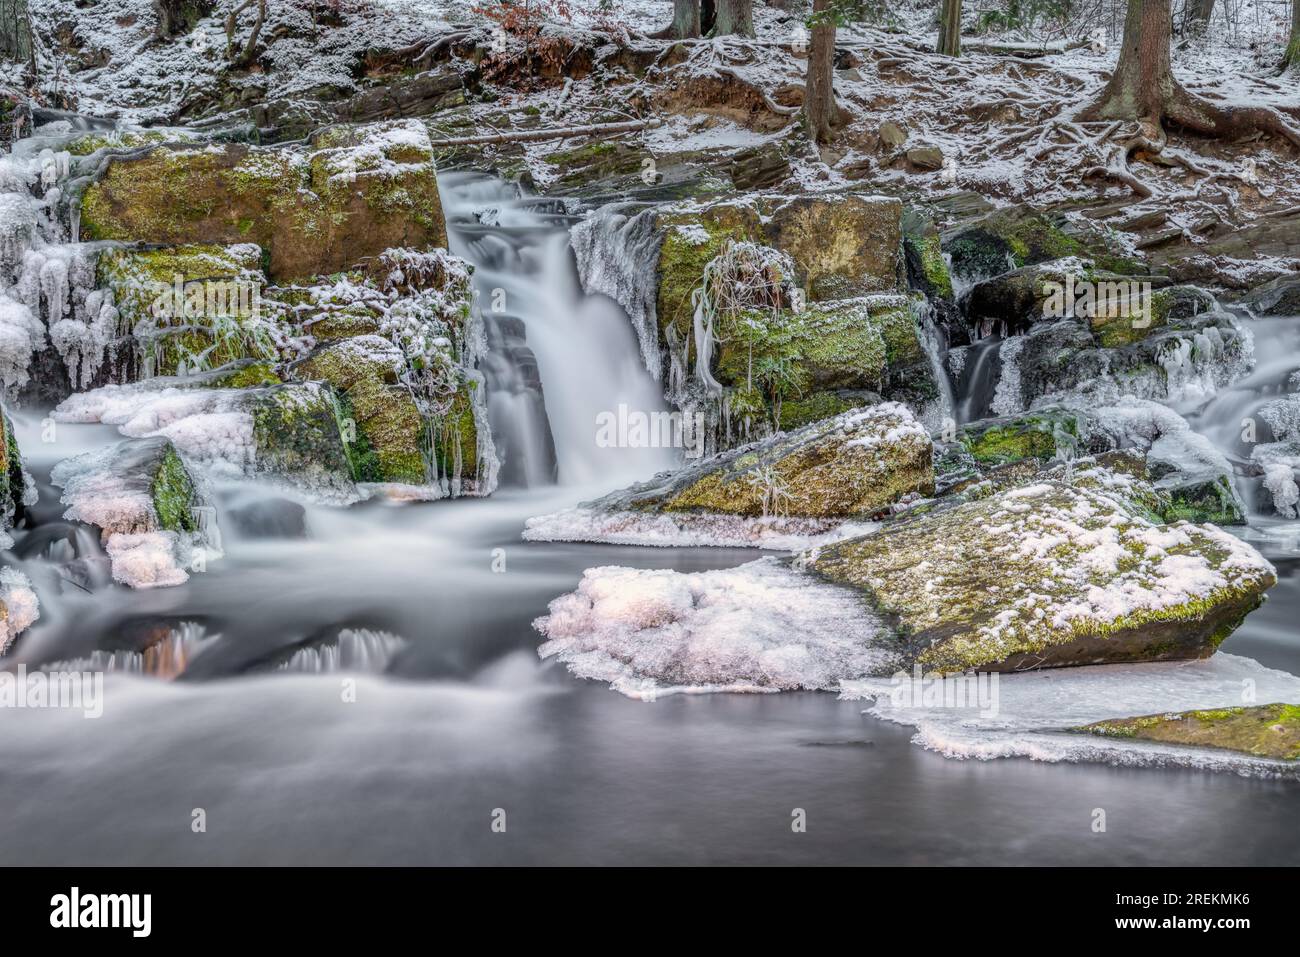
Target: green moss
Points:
(1032, 436)
(934, 267)
(1264, 731)
(796, 413)
(683, 255)
(173, 495)
(455, 437)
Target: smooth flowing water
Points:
(414, 765)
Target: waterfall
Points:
(558, 361)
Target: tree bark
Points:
(820, 111)
(734, 17)
(949, 28)
(686, 22)
(1291, 58)
(16, 33)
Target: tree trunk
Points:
(686, 22)
(1143, 81)
(1291, 58)
(950, 28)
(734, 17)
(1196, 17)
(820, 111)
(16, 34)
(1143, 89)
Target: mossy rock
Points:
(856, 464)
(141, 483)
(455, 436)
(205, 279)
(1262, 731)
(1032, 435)
(796, 413)
(297, 435)
(1049, 575)
(365, 372)
(1018, 236)
(354, 194)
(692, 237)
(842, 245)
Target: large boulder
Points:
(353, 194)
(1050, 574)
(858, 463)
(842, 246)
(1263, 731)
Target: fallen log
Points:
(533, 136)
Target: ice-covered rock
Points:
(19, 606)
(146, 505)
(1262, 731)
(1051, 574)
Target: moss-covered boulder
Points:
(1262, 731)
(1050, 574)
(843, 245)
(856, 464)
(365, 373)
(297, 435)
(1017, 236)
(1032, 435)
(690, 237)
(354, 193)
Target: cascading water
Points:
(559, 361)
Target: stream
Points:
(446, 717)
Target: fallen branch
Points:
(533, 136)
(1027, 50)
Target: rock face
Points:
(364, 372)
(13, 478)
(355, 193)
(1047, 575)
(855, 464)
(1264, 731)
(843, 246)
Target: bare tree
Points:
(734, 17)
(821, 113)
(949, 27)
(1143, 88)
(696, 18)
(245, 56)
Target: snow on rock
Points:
(687, 530)
(1280, 463)
(1026, 715)
(144, 501)
(1050, 574)
(853, 465)
(759, 627)
(19, 606)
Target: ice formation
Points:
(759, 627)
(20, 603)
(686, 529)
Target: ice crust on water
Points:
(760, 627)
(1033, 708)
(684, 530)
